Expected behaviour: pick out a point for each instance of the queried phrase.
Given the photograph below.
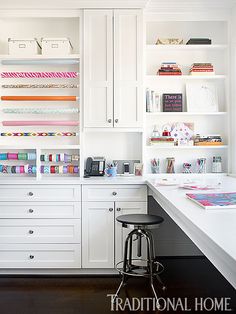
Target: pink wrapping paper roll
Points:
(21, 123)
(39, 74)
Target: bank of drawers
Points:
(40, 226)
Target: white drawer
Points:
(40, 230)
(40, 210)
(40, 193)
(40, 256)
(132, 193)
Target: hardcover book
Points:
(214, 200)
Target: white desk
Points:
(213, 231)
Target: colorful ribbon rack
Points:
(69, 169)
(40, 110)
(29, 123)
(29, 169)
(59, 158)
(40, 134)
(18, 156)
(39, 98)
(40, 86)
(39, 74)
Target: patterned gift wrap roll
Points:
(40, 86)
(12, 156)
(23, 156)
(21, 169)
(39, 134)
(3, 156)
(39, 74)
(31, 156)
(9, 169)
(40, 110)
(39, 98)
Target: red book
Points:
(170, 73)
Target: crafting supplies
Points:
(170, 165)
(56, 169)
(39, 134)
(61, 123)
(217, 164)
(28, 169)
(187, 167)
(59, 158)
(39, 98)
(155, 165)
(40, 86)
(40, 110)
(39, 74)
(18, 156)
(201, 165)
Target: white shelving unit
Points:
(204, 122)
(39, 27)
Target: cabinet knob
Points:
(118, 209)
(114, 193)
(110, 209)
(31, 210)
(109, 120)
(30, 193)
(31, 256)
(116, 120)
(31, 231)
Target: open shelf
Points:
(184, 113)
(185, 47)
(186, 77)
(186, 147)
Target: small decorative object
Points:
(184, 143)
(153, 101)
(217, 164)
(138, 169)
(155, 165)
(182, 131)
(170, 41)
(170, 165)
(172, 102)
(201, 97)
(201, 165)
(187, 167)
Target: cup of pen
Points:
(111, 171)
(155, 165)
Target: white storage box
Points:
(56, 46)
(28, 46)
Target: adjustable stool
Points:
(141, 225)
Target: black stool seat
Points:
(140, 219)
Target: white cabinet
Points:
(97, 235)
(113, 68)
(102, 236)
(125, 208)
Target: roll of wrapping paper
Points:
(29, 169)
(26, 123)
(56, 169)
(59, 158)
(40, 86)
(39, 134)
(40, 110)
(39, 74)
(39, 98)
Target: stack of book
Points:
(202, 69)
(152, 101)
(165, 141)
(199, 41)
(169, 68)
(208, 140)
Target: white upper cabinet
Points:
(113, 65)
(98, 68)
(128, 67)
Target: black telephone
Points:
(95, 166)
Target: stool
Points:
(141, 225)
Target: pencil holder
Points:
(111, 171)
(155, 169)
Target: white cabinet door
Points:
(98, 234)
(98, 68)
(125, 208)
(128, 68)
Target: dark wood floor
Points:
(185, 278)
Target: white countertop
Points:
(213, 231)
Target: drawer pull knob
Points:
(31, 210)
(31, 231)
(116, 120)
(118, 209)
(109, 120)
(110, 209)
(114, 193)
(30, 193)
(31, 256)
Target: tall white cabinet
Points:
(113, 65)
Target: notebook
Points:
(214, 200)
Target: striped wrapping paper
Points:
(39, 98)
(57, 123)
(40, 86)
(39, 74)
(35, 134)
(40, 110)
